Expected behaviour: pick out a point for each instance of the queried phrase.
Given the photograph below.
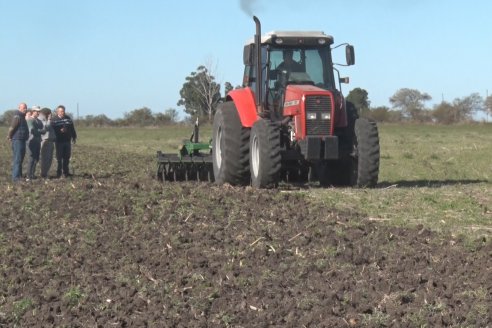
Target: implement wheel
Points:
(230, 147)
(264, 158)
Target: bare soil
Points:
(113, 250)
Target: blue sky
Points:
(113, 56)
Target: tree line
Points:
(138, 118)
(409, 105)
(201, 94)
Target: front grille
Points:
(318, 105)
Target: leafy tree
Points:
(102, 120)
(141, 117)
(444, 113)
(162, 119)
(173, 115)
(227, 87)
(411, 103)
(7, 116)
(200, 93)
(460, 110)
(168, 117)
(98, 120)
(384, 114)
(359, 97)
(467, 106)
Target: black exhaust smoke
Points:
(247, 6)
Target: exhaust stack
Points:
(259, 77)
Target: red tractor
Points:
(289, 121)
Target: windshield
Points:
(305, 66)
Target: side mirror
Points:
(350, 54)
(345, 80)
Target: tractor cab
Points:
(291, 64)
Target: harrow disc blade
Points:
(161, 172)
(194, 168)
(190, 171)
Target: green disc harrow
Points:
(193, 162)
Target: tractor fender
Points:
(244, 100)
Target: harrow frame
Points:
(191, 163)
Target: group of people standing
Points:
(38, 133)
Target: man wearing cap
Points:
(64, 133)
(34, 142)
(17, 135)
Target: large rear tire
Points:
(367, 153)
(230, 146)
(264, 157)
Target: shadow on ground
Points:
(427, 183)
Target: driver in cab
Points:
(289, 64)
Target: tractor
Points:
(289, 121)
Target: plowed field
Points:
(112, 247)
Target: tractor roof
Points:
(296, 37)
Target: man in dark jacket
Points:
(17, 135)
(64, 134)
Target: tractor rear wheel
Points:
(230, 146)
(367, 153)
(264, 157)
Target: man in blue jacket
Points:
(64, 134)
(17, 135)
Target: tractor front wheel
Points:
(264, 157)
(361, 167)
(230, 146)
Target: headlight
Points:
(325, 116)
(311, 116)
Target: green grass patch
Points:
(439, 176)
(20, 308)
(73, 296)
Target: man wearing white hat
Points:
(47, 142)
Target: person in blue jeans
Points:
(64, 134)
(17, 135)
